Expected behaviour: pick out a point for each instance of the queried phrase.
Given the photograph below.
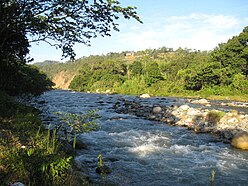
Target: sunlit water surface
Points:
(142, 152)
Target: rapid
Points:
(143, 152)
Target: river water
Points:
(142, 152)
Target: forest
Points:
(221, 73)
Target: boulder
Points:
(184, 107)
(193, 112)
(157, 109)
(201, 101)
(240, 140)
(145, 96)
(103, 169)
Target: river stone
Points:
(103, 169)
(184, 107)
(193, 112)
(233, 120)
(145, 96)
(156, 110)
(200, 101)
(189, 120)
(240, 140)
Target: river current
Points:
(146, 153)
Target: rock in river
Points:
(145, 96)
(157, 109)
(103, 169)
(240, 140)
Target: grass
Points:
(214, 117)
(29, 153)
(242, 98)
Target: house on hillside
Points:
(129, 54)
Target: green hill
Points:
(162, 71)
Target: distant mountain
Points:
(46, 62)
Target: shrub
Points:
(214, 116)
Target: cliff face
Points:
(63, 79)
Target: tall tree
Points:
(234, 53)
(60, 23)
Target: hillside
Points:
(161, 72)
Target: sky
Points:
(192, 24)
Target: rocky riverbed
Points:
(226, 125)
(139, 145)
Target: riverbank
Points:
(189, 95)
(29, 153)
(196, 115)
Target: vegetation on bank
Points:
(29, 153)
(222, 72)
(33, 155)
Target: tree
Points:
(153, 73)
(60, 23)
(234, 53)
(136, 68)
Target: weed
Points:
(212, 177)
(214, 117)
(28, 152)
(78, 123)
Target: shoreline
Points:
(238, 98)
(224, 125)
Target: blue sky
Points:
(194, 24)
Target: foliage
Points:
(207, 76)
(234, 53)
(103, 170)
(240, 82)
(57, 22)
(28, 152)
(78, 123)
(136, 68)
(136, 85)
(100, 161)
(166, 72)
(27, 79)
(214, 117)
(212, 177)
(153, 73)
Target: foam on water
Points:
(182, 149)
(145, 152)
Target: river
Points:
(142, 152)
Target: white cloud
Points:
(196, 31)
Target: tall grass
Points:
(29, 153)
